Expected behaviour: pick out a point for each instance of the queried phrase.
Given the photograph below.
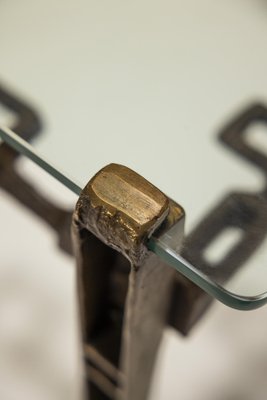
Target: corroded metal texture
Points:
(122, 209)
(116, 213)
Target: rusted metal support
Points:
(124, 290)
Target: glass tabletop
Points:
(173, 90)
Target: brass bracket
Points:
(124, 289)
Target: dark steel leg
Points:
(124, 290)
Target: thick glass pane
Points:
(154, 86)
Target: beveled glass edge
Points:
(23, 147)
(181, 265)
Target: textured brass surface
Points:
(122, 209)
